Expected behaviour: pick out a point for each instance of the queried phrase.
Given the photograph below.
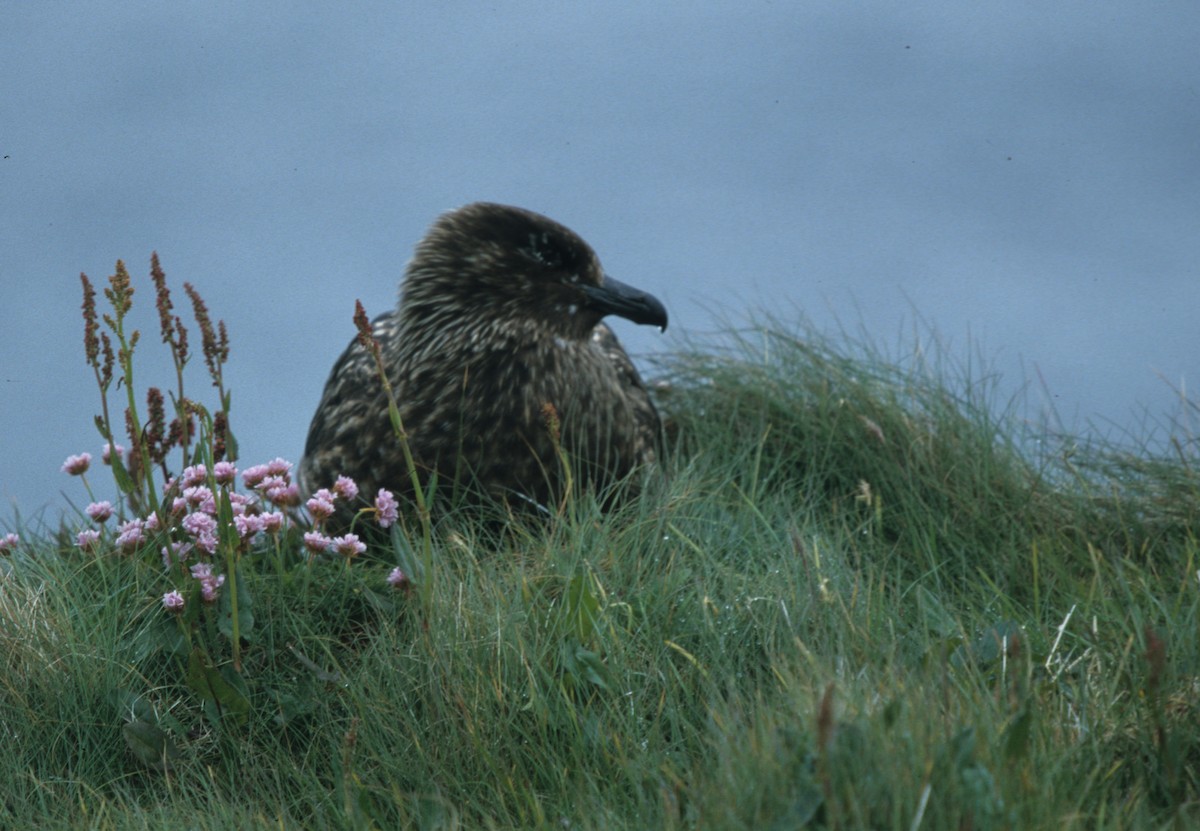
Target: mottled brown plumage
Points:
(499, 315)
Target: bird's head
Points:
(490, 265)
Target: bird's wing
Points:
(650, 435)
(347, 415)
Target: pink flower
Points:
(286, 495)
(209, 582)
(320, 507)
(151, 525)
(199, 496)
(315, 541)
(348, 545)
(173, 602)
(346, 488)
(385, 507)
(399, 580)
(224, 473)
(239, 501)
(130, 535)
(106, 455)
(86, 540)
(272, 522)
(198, 523)
(8, 543)
(99, 511)
(248, 525)
(201, 571)
(206, 541)
(77, 465)
(253, 476)
(174, 553)
(278, 467)
(208, 588)
(194, 475)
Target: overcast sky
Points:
(1024, 177)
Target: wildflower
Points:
(206, 541)
(248, 525)
(174, 553)
(200, 496)
(99, 511)
(272, 522)
(151, 525)
(385, 507)
(348, 545)
(107, 453)
(224, 473)
(179, 506)
(253, 476)
(77, 465)
(286, 496)
(199, 523)
(173, 602)
(315, 541)
(270, 482)
(86, 540)
(131, 534)
(278, 467)
(194, 475)
(209, 582)
(399, 580)
(201, 571)
(209, 586)
(346, 488)
(320, 507)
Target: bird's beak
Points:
(612, 297)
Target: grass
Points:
(858, 601)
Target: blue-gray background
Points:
(1024, 177)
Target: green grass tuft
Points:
(857, 600)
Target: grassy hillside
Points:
(858, 600)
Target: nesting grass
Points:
(858, 601)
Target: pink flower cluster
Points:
(323, 504)
(209, 582)
(191, 516)
(273, 481)
(194, 512)
(191, 504)
(8, 543)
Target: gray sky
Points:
(1021, 176)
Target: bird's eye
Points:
(545, 250)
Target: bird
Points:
(501, 368)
